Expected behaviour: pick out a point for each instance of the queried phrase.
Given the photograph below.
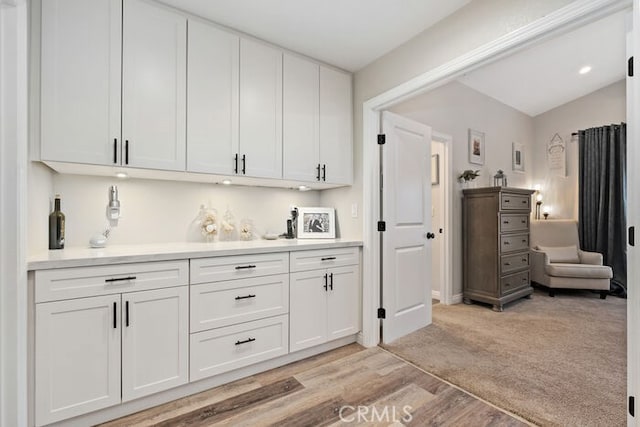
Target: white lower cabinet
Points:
(77, 357)
(324, 306)
(232, 347)
(155, 341)
(98, 351)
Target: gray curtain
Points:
(603, 198)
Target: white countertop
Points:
(83, 257)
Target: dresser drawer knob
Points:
(507, 263)
(505, 222)
(506, 243)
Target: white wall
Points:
(472, 26)
(152, 211)
(453, 109)
(13, 155)
(602, 107)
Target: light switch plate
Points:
(354, 210)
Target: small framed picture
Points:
(316, 223)
(517, 160)
(476, 147)
(435, 169)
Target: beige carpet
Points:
(554, 361)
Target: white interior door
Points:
(406, 205)
(633, 212)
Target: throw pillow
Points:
(567, 254)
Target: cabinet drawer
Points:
(515, 202)
(206, 270)
(78, 282)
(224, 349)
(324, 258)
(515, 242)
(514, 282)
(514, 222)
(214, 305)
(514, 262)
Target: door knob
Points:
(430, 235)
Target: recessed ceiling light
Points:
(585, 69)
(226, 181)
(122, 175)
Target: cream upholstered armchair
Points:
(558, 262)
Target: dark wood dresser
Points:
(495, 233)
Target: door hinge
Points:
(382, 226)
(632, 406)
(630, 67)
(632, 236)
(382, 139)
(382, 313)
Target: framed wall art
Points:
(476, 147)
(517, 157)
(316, 223)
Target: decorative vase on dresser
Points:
(495, 230)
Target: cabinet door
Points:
(344, 302)
(336, 146)
(154, 87)
(155, 341)
(260, 110)
(307, 309)
(77, 366)
(300, 132)
(212, 100)
(80, 81)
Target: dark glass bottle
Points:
(56, 226)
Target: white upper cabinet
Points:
(154, 86)
(212, 99)
(260, 150)
(301, 103)
(80, 81)
(336, 146)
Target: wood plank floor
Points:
(347, 386)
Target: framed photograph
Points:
(476, 147)
(435, 169)
(517, 159)
(316, 223)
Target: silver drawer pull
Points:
(244, 267)
(119, 279)
(245, 341)
(245, 297)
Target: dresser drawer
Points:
(514, 222)
(514, 242)
(218, 304)
(78, 282)
(324, 258)
(224, 349)
(515, 202)
(217, 269)
(514, 282)
(516, 262)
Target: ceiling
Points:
(348, 34)
(546, 76)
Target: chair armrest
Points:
(539, 260)
(593, 258)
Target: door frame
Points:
(446, 167)
(561, 21)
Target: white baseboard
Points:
(435, 295)
(456, 299)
